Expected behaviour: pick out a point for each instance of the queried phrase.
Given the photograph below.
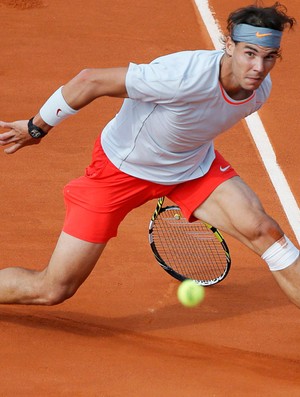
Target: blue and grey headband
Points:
(264, 37)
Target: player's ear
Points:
(229, 46)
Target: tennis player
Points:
(161, 144)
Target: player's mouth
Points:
(253, 81)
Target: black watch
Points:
(35, 131)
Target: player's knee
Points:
(263, 227)
(270, 229)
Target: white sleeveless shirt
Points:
(164, 131)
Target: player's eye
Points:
(271, 57)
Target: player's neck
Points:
(229, 81)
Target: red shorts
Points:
(97, 202)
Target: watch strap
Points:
(35, 131)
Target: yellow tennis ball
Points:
(190, 294)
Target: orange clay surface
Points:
(124, 334)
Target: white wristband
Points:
(56, 109)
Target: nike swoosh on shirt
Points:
(257, 34)
(223, 169)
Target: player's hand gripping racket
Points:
(195, 250)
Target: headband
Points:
(264, 37)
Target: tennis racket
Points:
(187, 250)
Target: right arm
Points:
(94, 83)
(81, 90)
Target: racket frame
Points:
(160, 209)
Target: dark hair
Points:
(273, 17)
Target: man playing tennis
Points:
(161, 144)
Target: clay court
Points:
(124, 334)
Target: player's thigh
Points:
(234, 208)
(71, 263)
(228, 202)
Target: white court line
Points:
(259, 134)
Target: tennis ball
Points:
(190, 294)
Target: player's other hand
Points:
(17, 136)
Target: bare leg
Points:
(234, 208)
(289, 281)
(71, 263)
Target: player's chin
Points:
(252, 84)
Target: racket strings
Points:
(190, 249)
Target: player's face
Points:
(250, 64)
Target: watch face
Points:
(35, 133)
